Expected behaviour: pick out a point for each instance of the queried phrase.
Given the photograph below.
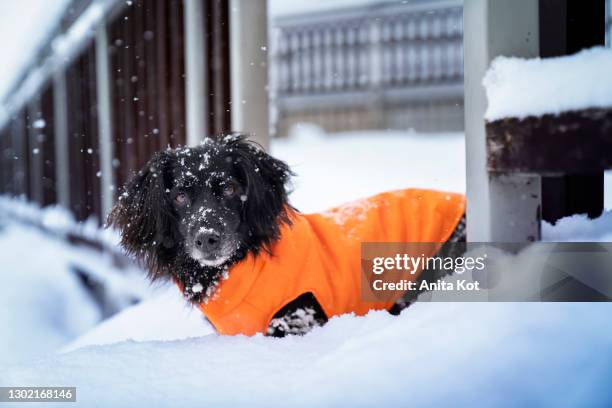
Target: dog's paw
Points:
(299, 322)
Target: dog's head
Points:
(203, 207)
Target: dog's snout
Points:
(208, 241)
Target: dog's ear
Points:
(265, 179)
(143, 214)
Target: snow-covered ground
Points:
(162, 353)
(434, 354)
(331, 170)
(578, 228)
(43, 304)
(165, 316)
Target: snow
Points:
(578, 228)
(39, 124)
(518, 88)
(55, 218)
(43, 304)
(173, 319)
(433, 354)
(334, 169)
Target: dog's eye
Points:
(229, 189)
(181, 198)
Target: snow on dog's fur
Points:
(191, 212)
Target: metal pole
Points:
(107, 176)
(35, 151)
(61, 139)
(501, 207)
(195, 72)
(249, 69)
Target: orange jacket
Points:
(320, 253)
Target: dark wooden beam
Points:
(550, 144)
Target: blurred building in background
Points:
(396, 65)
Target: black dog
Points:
(191, 213)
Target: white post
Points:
(249, 69)
(195, 72)
(500, 207)
(60, 114)
(107, 183)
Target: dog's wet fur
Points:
(192, 212)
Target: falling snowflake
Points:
(39, 124)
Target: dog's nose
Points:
(208, 241)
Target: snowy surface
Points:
(335, 169)
(165, 316)
(579, 228)
(434, 354)
(532, 87)
(43, 305)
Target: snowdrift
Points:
(432, 355)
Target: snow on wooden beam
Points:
(519, 88)
(550, 115)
